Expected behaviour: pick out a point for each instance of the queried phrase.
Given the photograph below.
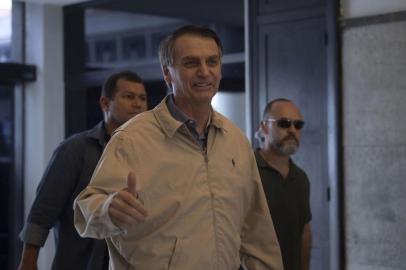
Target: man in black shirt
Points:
(69, 171)
(286, 186)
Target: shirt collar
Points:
(263, 164)
(171, 124)
(99, 133)
(260, 160)
(179, 115)
(176, 112)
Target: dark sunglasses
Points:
(287, 123)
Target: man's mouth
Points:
(290, 138)
(202, 84)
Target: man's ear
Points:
(167, 75)
(264, 127)
(104, 103)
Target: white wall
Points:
(374, 144)
(44, 107)
(231, 105)
(361, 8)
(5, 21)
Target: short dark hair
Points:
(166, 46)
(109, 88)
(268, 106)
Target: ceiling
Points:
(208, 10)
(53, 2)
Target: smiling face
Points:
(195, 73)
(130, 99)
(284, 141)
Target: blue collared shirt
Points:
(179, 115)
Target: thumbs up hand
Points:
(132, 183)
(125, 209)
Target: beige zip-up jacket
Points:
(206, 209)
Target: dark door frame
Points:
(16, 74)
(335, 162)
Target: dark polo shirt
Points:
(288, 201)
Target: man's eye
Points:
(190, 64)
(213, 62)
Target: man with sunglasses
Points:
(286, 186)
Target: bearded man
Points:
(286, 186)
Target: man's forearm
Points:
(29, 257)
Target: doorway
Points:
(293, 55)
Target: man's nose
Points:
(204, 70)
(136, 102)
(292, 128)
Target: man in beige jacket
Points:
(178, 187)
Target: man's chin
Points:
(134, 114)
(205, 97)
(289, 148)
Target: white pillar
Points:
(44, 107)
(362, 8)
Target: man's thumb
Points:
(131, 183)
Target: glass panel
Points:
(156, 39)
(134, 48)
(5, 30)
(116, 38)
(106, 51)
